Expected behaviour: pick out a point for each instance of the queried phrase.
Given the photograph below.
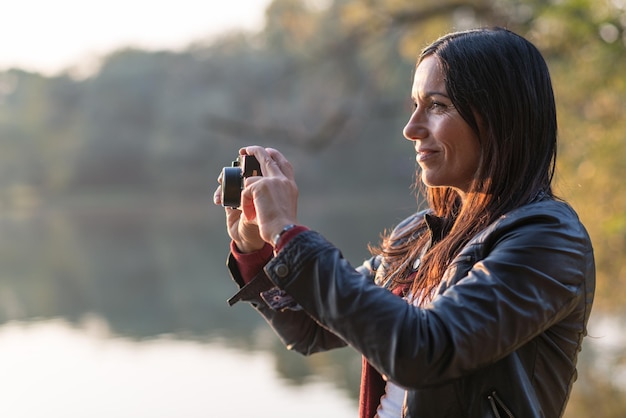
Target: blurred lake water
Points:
(52, 369)
(121, 311)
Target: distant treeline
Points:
(328, 86)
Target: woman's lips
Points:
(424, 154)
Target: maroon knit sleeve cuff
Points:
(250, 264)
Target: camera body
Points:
(233, 178)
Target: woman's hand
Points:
(268, 203)
(245, 234)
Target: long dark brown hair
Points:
(500, 85)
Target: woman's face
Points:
(448, 150)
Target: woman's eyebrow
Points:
(431, 94)
(436, 93)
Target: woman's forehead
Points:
(429, 78)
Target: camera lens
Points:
(232, 182)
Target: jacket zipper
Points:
(496, 402)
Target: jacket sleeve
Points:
(506, 287)
(296, 329)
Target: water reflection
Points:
(54, 370)
(87, 295)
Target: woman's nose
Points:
(415, 129)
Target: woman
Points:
(475, 307)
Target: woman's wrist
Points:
(287, 235)
(249, 247)
(276, 237)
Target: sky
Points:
(50, 36)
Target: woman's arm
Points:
(536, 270)
(297, 330)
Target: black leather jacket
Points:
(499, 339)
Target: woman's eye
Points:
(431, 105)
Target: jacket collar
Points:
(438, 227)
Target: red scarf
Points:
(372, 389)
(372, 382)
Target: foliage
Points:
(327, 82)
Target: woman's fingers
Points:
(283, 164)
(268, 202)
(217, 196)
(272, 162)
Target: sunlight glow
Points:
(51, 36)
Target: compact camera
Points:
(233, 177)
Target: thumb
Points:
(247, 205)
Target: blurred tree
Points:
(584, 43)
(328, 80)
